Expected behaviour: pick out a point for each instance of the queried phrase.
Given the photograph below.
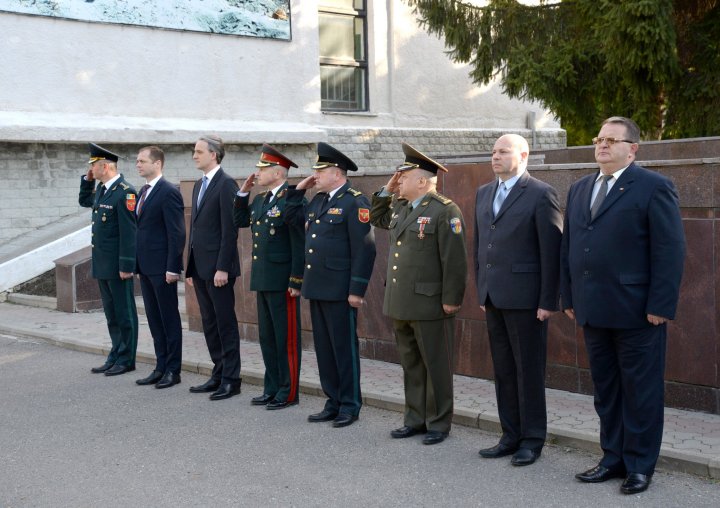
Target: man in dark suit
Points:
(339, 258)
(622, 259)
(518, 227)
(113, 255)
(424, 289)
(160, 244)
(277, 271)
(213, 265)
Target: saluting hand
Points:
(89, 175)
(248, 184)
(393, 184)
(307, 183)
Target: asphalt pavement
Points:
(72, 438)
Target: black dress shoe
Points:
(635, 483)
(497, 451)
(323, 416)
(102, 368)
(225, 391)
(599, 474)
(434, 437)
(524, 457)
(153, 378)
(208, 386)
(116, 370)
(406, 431)
(168, 380)
(280, 404)
(343, 420)
(261, 400)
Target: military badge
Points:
(364, 215)
(273, 212)
(130, 202)
(335, 211)
(456, 225)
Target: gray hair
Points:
(215, 145)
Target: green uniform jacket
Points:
(277, 254)
(427, 266)
(113, 227)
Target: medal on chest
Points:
(422, 221)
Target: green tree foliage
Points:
(656, 61)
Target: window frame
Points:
(361, 14)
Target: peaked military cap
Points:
(98, 153)
(415, 159)
(270, 156)
(329, 156)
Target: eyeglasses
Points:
(610, 141)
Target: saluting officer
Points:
(424, 289)
(339, 258)
(113, 255)
(277, 271)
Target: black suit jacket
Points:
(213, 237)
(161, 231)
(517, 252)
(628, 261)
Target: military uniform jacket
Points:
(427, 266)
(277, 253)
(339, 242)
(113, 227)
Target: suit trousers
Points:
(118, 299)
(426, 356)
(338, 356)
(518, 345)
(220, 327)
(163, 315)
(628, 369)
(279, 330)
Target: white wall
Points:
(72, 81)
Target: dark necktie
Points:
(326, 198)
(102, 191)
(143, 191)
(600, 197)
(268, 197)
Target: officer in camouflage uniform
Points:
(339, 258)
(277, 270)
(424, 289)
(113, 255)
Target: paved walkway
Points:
(691, 442)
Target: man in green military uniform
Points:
(277, 271)
(424, 289)
(113, 255)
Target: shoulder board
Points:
(354, 192)
(439, 197)
(124, 186)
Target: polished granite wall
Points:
(693, 355)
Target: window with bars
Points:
(343, 59)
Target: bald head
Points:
(510, 156)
